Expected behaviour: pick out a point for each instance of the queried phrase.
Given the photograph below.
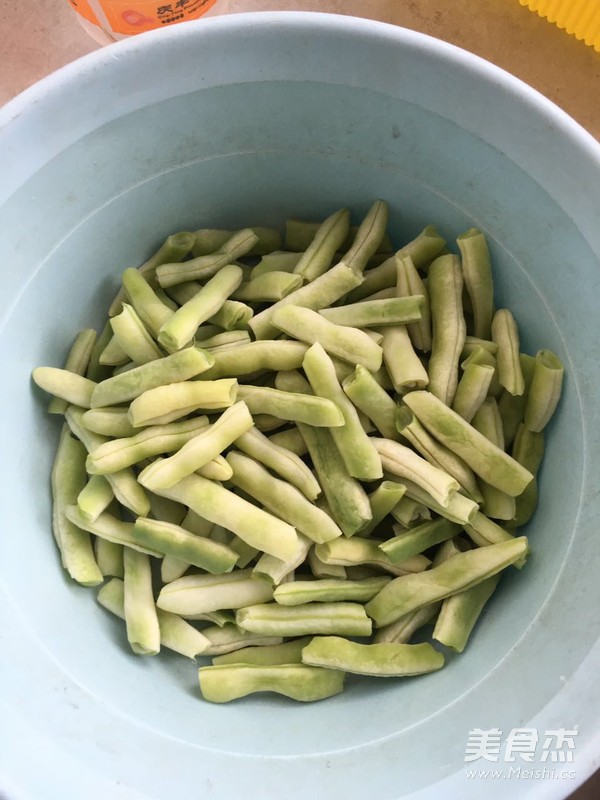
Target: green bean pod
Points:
(370, 398)
(485, 459)
(268, 288)
(506, 336)
(402, 363)
(197, 594)
(402, 631)
(292, 406)
(345, 619)
(109, 557)
(328, 590)
(109, 421)
(545, 391)
(347, 343)
(107, 526)
(409, 592)
(278, 570)
(65, 385)
(357, 551)
(409, 283)
(416, 540)
(95, 497)
(143, 632)
(368, 237)
(380, 660)
(268, 655)
(171, 369)
(376, 313)
(96, 371)
(472, 389)
(226, 682)
(77, 361)
(163, 404)
(445, 284)
(277, 261)
(67, 481)
(150, 309)
(383, 500)
(320, 252)
(211, 240)
(460, 509)
(113, 354)
(460, 612)
(477, 273)
(356, 449)
(228, 638)
(255, 357)
(132, 337)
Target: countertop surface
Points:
(39, 36)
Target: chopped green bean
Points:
(278, 570)
(163, 404)
(409, 592)
(210, 240)
(357, 551)
(545, 391)
(268, 655)
(402, 363)
(277, 261)
(108, 421)
(460, 612)
(374, 313)
(229, 638)
(328, 590)
(113, 354)
(512, 407)
(150, 309)
(418, 539)
(409, 283)
(477, 272)
(198, 594)
(77, 361)
(506, 336)
(225, 682)
(143, 632)
(320, 252)
(381, 660)
(445, 284)
(107, 526)
(95, 497)
(472, 389)
(65, 385)
(370, 398)
(345, 619)
(292, 406)
(269, 287)
(132, 337)
(256, 356)
(109, 557)
(402, 631)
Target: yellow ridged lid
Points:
(580, 18)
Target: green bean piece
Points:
(380, 660)
(409, 592)
(278, 570)
(166, 510)
(117, 454)
(402, 631)
(506, 336)
(163, 404)
(107, 526)
(143, 632)
(68, 479)
(449, 549)
(228, 638)
(402, 363)
(512, 407)
(357, 552)
(485, 459)
(171, 369)
(203, 267)
(280, 460)
(445, 284)
(123, 483)
(95, 370)
(480, 356)
(409, 283)
(487, 421)
(320, 293)
(175, 633)
(370, 398)
(277, 261)
(348, 500)
(425, 247)
(172, 568)
(132, 337)
(360, 457)
(328, 590)
(65, 385)
(95, 497)
(320, 252)
(416, 540)
(299, 234)
(175, 248)
(175, 541)
(403, 462)
(291, 406)
(437, 454)
(477, 273)
(226, 682)
(345, 619)
(216, 470)
(199, 450)
(268, 288)
(545, 391)
(179, 329)
(229, 338)
(209, 240)
(269, 655)
(150, 309)
(322, 570)
(113, 354)
(347, 343)
(109, 557)
(198, 594)
(374, 313)
(77, 362)
(290, 439)
(406, 509)
(473, 342)
(528, 450)
(232, 316)
(255, 357)
(222, 507)
(460, 509)
(282, 499)
(383, 500)
(368, 237)
(484, 531)
(472, 389)
(181, 293)
(108, 421)
(460, 612)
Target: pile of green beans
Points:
(293, 453)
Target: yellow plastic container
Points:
(580, 18)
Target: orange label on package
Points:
(136, 16)
(83, 7)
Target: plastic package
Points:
(580, 18)
(110, 20)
